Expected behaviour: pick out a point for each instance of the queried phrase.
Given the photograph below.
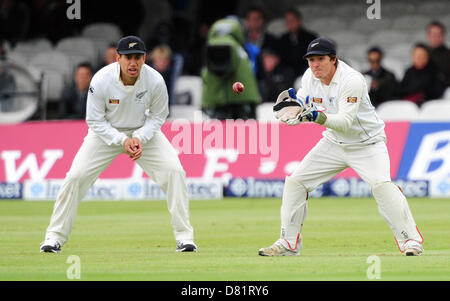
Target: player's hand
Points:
(287, 106)
(309, 114)
(138, 149)
(133, 148)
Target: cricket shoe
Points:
(413, 248)
(186, 246)
(50, 246)
(281, 248)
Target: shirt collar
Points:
(337, 74)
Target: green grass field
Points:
(134, 241)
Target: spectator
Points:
(276, 76)
(73, 100)
(383, 82)
(226, 62)
(422, 81)
(294, 43)
(256, 36)
(161, 60)
(109, 56)
(439, 53)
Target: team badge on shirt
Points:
(141, 94)
(352, 99)
(317, 100)
(114, 101)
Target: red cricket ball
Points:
(238, 87)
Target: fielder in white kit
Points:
(126, 107)
(335, 95)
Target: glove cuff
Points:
(319, 117)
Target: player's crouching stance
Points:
(335, 96)
(126, 107)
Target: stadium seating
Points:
(430, 8)
(108, 32)
(395, 66)
(364, 25)
(348, 37)
(349, 10)
(78, 50)
(402, 24)
(28, 49)
(55, 67)
(392, 10)
(388, 38)
(264, 112)
(17, 58)
(101, 35)
(410, 23)
(187, 112)
(192, 85)
(327, 24)
(418, 36)
(446, 94)
(435, 110)
(24, 106)
(398, 110)
(356, 52)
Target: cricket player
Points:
(126, 106)
(335, 95)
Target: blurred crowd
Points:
(178, 45)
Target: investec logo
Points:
(251, 187)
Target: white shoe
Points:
(281, 248)
(186, 246)
(50, 246)
(412, 248)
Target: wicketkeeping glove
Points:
(288, 106)
(309, 113)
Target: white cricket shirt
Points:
(113, 108)
(351, 117)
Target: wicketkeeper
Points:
(335, 95)
(126, 107)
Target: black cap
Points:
(130, 44)
(320, 46)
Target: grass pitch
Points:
(134, 241)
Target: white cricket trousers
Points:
(159, 160)
(371, 161)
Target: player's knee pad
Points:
(291, 185)
(75, 176)
(394, 208)
(293, 209)
(387, 191)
